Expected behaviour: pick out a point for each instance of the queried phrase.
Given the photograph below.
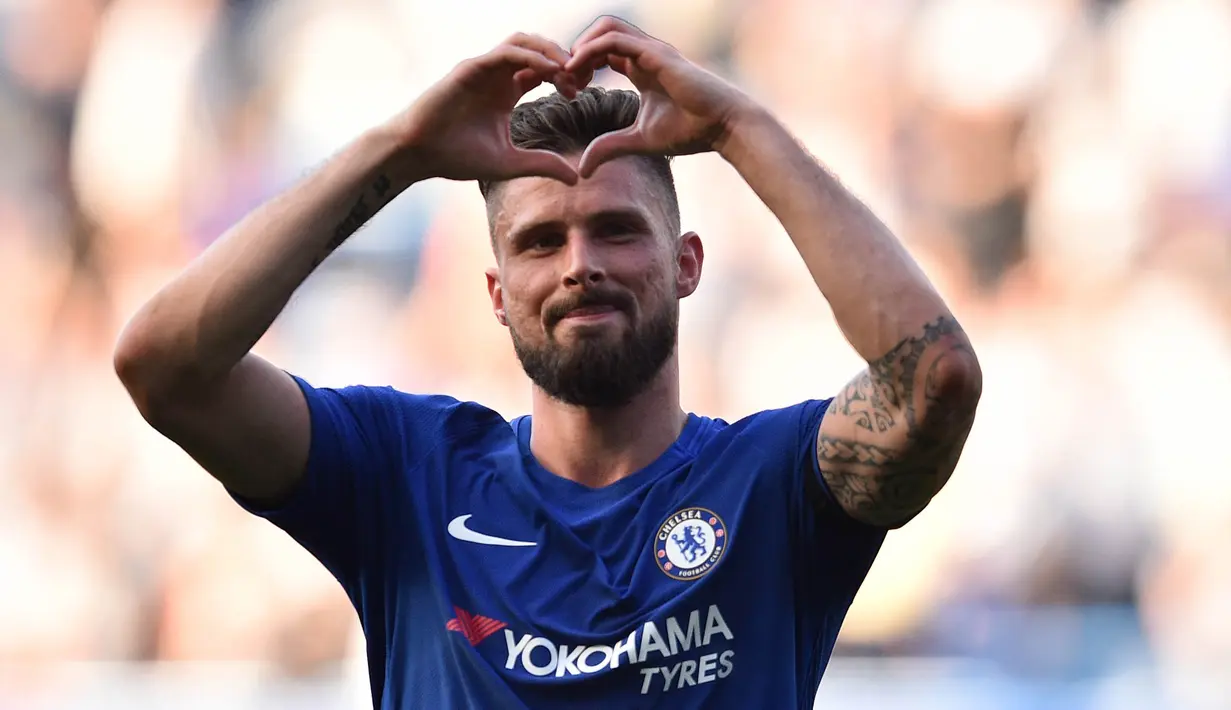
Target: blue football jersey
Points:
(717, 577)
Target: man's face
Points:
(589, 281)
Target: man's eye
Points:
(547, 241)
(617, 229)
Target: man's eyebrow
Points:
(519, 232)
(615, 214)
(634, 215)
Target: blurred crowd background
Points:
(1061, 168)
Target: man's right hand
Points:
(459, 128)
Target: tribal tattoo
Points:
(898, 428)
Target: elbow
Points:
(956, 382)
(136, 361)
(149, 368)
(130, 357)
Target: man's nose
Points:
(585, 266)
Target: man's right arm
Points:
(185, 357)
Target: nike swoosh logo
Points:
(458, 529)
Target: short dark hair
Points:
(567, 126)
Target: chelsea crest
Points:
(689, 543)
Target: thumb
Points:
(542, 163)
(610, 146)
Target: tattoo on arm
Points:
(362, 211)
(906, 423)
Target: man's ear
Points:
(690, 256)
(497, 294)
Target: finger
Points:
(539, 44)
(595, 53)
(582, 79)
(525, 80)
(540, 163)
(508, 56)
(621, 65)
(610, 146)
(565, 83)
(568, 85)
(603, 25)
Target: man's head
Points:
(589, 276)
(566, 127)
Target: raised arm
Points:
(185, 356)
(891, 438)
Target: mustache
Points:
(618, 300)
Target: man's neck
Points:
(597, 447)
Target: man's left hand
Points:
(684, 108)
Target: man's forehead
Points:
(620, 185)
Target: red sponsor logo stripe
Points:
(473, 627)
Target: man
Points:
(610, 550)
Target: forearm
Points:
(891, 437)
(202, 323)
(878, 294)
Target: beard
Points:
(598, 371)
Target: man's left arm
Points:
(891, 437)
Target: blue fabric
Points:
(717, 577)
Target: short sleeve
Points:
(361, 437)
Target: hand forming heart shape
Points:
(458, 129)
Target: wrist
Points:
(746, 127)
(395, 155)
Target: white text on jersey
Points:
(543, 657)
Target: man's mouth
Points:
(591, 313)
(589, 308)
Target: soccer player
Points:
(610, 549)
